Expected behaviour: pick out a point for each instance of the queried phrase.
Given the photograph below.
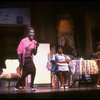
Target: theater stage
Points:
(46, 92)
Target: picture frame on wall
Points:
(19, 19)
(65, 33)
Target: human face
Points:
(31, 34)
(60, 51)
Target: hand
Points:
(21, 65)
(67, 61)
(37, 44)
(27, 49)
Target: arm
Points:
(34, 51)
(20, 60)
(66, 61)
(53, 62)
(20, 52)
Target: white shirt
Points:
(61, 57)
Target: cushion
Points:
(10, 75)
(11, 71)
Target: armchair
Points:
(11, 72)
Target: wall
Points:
(92, 21)
(15, 16)
(12, 25)
(45, 19)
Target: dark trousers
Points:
(24, 75)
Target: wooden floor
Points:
(46, 92)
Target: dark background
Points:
(44, 18)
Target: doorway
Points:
(10, 36)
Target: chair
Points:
(11, 72)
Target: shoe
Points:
(21, 87)
(16, 89)
(66, 87)
(98, 86)
(32, 89)
(62, 87)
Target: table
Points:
(83, 66)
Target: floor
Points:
(46, 92)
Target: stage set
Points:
(83, 77)
(44, 92)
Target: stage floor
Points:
(48, 92)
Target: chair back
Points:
(11, 65)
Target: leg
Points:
(66, 79)
(61, 78)
(22, 79)
(33, 73)
(54, 80)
